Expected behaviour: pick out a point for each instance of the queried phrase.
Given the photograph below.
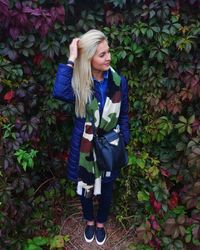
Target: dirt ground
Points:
(118, 238)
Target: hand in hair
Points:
(73, 49)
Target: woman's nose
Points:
(108, 57)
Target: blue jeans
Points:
(104, 204)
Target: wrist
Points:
(72, 59)
(70, 63)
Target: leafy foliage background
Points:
(155, 45)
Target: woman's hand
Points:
(73, 49)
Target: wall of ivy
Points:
(155, 45)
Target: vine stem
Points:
(41, 185)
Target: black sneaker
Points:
(89, 233)
(100, 235)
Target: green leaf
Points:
(6, 134)
(57, 242)
(25, 53)
(139, 50)
(143, 30)
(66, 238)
(196, 242)
(41, 241)
(166, 29)
(181, 130)
(183, 119)
(152, 13)
(156, 29)
(152, 53)
(179, 244)
(24, 165)
(123, 54)
(64, 39)
(30, 162)
(177, 25)
(160, 56)
(181, 127)
(44, 46)
(166, 240)
(165, 207)
(141, 163)
(132, 160)
(149, 33)
(130, 58)
(165, 51)
(188, 238)
(172, 30)
(189, 130)
(191, 119)
(33, 247)
(107, 29)
(143, 195)
(188, 47)
(180, 146)
(30, 129)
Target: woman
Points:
(101, 100)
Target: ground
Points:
(118, 238)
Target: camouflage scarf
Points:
(89, 176)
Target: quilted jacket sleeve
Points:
(62, 89)
(123, 117)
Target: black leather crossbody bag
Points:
(110, 150)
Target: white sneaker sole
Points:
(87, 240)
(100, 243)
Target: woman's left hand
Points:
(73, 49)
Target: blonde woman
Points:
(99, 92)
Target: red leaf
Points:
(155, 243)
(154, 223)
(173, 201)
(162, 105)
(9, 96)
(113, 18)
(186, 94)
(156, 205)
(174, 104)
(62, 156)
(195, 126)
(37, 59)
(164, 172)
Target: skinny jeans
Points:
(104, 203)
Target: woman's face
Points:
(101, 59)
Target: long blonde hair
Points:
(82, 82)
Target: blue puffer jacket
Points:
(63, 91)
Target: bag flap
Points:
(111, 136)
